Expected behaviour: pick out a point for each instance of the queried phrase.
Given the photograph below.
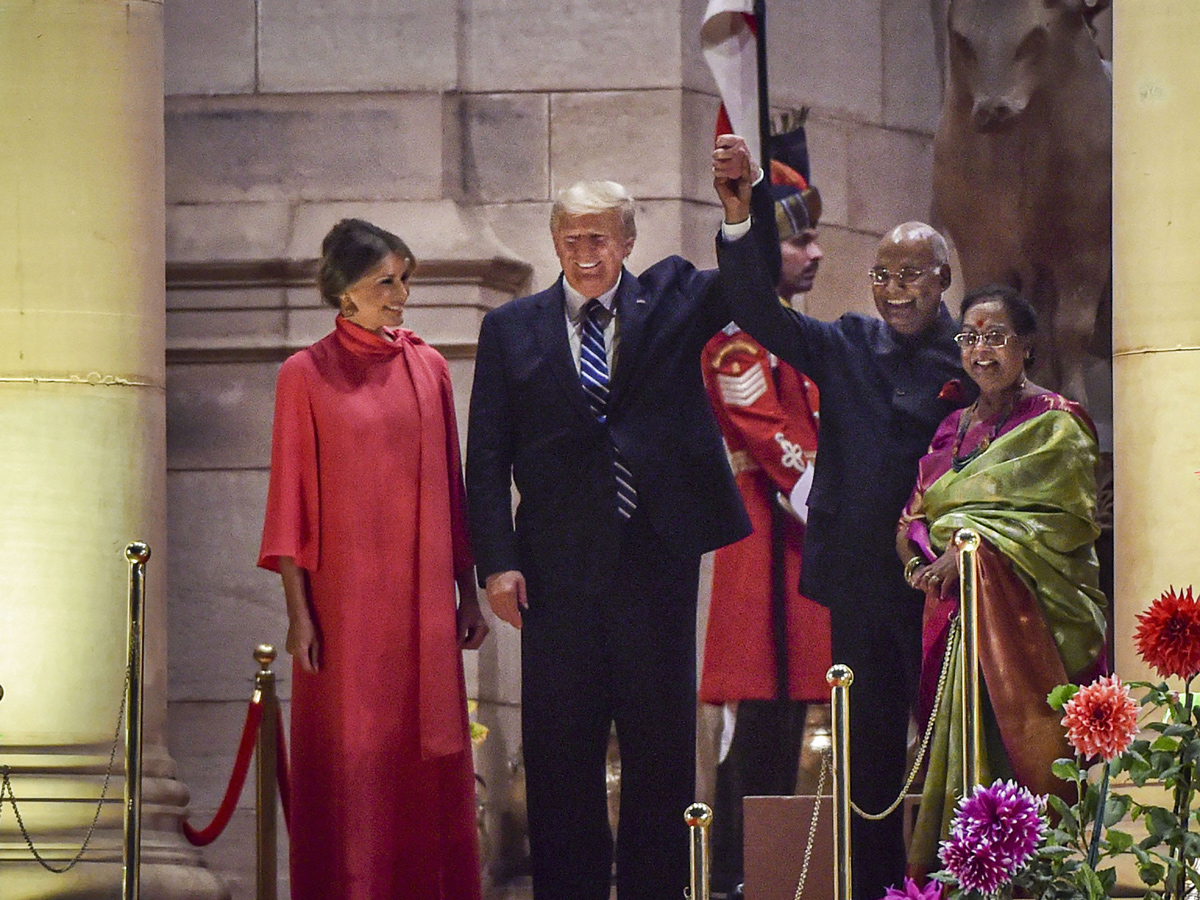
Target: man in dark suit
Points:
(885, 385)
(623, 484)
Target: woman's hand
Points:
(302, 640)
(940, 577)
(472, 628)
(303, 643)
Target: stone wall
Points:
(453, 124)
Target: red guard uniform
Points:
(768, 416)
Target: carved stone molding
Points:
(505, 275)
(483, 280)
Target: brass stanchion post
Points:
(136, 553)
(967, 542)
(699, 817)
(265, 830)
(839, 678)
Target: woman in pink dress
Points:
(365, 523)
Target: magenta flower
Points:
(994, 834)
(931, 891)
(975, 866)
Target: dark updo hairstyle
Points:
(1019, 310)
(349, 251)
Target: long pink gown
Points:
(366, 495)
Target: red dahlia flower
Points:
(1168, 634)
(1101, 718)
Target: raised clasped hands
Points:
(734, 174)
(506, 596)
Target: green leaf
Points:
(1115, 809)
(1151, 873)
(1058, 804)
(1159, 821)
(1190, 751)
(1091, 883)
(1164, 744)
(1118, 841)
(1058, 697)
(1066, 769)
(1191, 845)
(1069, 822)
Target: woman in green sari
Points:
(1017, 467)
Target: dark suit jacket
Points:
(879, 409)
(530, 420)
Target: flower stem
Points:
(1093, 854)
(1183, 802)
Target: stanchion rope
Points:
(202, 837)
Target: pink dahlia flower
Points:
(1101, 718)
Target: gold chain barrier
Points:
(840, 678)
(129, 712)
(699, 817)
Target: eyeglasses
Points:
(904, 276)
(993, 340)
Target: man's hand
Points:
(734, 174)
(506, 596)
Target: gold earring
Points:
(348, 307)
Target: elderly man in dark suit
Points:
(589, 397)
(885, 385)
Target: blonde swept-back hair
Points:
(585, 197)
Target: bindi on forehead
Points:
(991, 312)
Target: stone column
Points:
(1156, 313)
(82, 441)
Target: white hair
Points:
(584, 197)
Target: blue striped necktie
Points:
(593, 374)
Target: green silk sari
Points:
(1030, 495)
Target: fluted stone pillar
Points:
(1156, 307)
(82, 440)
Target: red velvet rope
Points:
(281, 769)
(237, 780)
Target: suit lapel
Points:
(550, 326)
(634, 306)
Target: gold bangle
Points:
(910, 567)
